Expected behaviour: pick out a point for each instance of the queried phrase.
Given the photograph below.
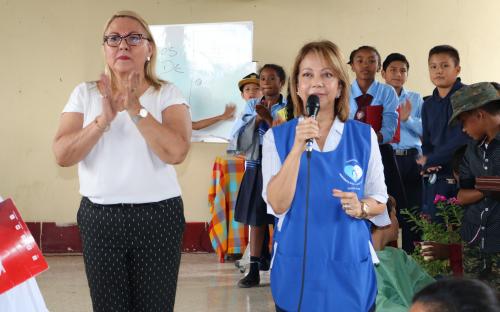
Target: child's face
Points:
(442, 70)
(251, 91)
(316, 76)
(365, 64)
(396, 74)
(270, 83)
(472, 124)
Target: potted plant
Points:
(442, 236)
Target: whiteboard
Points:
(206, 61)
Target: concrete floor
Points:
(204, 285)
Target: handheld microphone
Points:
(312, 108)
(312, 111)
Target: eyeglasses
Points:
(131, 39)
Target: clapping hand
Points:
(130, 97)
(110, 103)
(405, 110)
(264, 113)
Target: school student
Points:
(478, 108)
(395, 72)
(365, 62)
(439, 141)
(250, 208)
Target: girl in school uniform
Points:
(322, 255)
(260, 115)
(365, 62)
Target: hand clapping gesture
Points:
(263, 113)
(113, 103)
(405, 111)
(110, 106)
(131, 91)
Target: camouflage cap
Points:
(250, 78)
(471, 97)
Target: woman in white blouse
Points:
(322, 259)
(125, 132)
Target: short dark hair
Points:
(278, 69)
(365, 47)
(492, 107)
(458, 294)
(393, 57)
(445, 49)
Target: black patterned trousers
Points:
(132, 254)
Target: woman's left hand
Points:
(350, 202)
(130, 98)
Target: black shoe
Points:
(233, 257)
(249, 281)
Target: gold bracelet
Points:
(99, 127)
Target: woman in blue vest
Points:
(322, 259)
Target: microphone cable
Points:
(308, 187)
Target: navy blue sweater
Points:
(439, 141)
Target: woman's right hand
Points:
(307, 128)
(109, 103)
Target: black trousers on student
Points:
(412, 183)
(132, 254)
(392, 175)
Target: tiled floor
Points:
(204, 285)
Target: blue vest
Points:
(339, 274)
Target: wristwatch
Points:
(143, 113)
(364, 210)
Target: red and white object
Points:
(20, 257)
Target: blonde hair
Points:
(149, 66)
(333, 57)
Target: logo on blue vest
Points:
(352, 172)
